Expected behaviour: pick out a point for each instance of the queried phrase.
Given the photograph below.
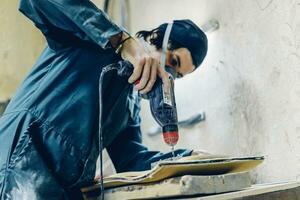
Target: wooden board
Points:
(186, 166)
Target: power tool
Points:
(162, 104)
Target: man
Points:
(49, 129)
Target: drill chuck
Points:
(170, 134)
(171, 137)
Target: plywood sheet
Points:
(187, 166)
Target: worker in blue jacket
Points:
(48, 133)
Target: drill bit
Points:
(173, 152)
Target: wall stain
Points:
(298, 132)
(247, 119)
(287, 139)
(244, 111)
(5, 54)
(275, 76)
(263, 7)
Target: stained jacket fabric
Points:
(49, 131)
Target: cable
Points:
(100, 133)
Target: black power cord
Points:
(100, 132)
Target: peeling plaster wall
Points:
(20, 45)
(248, 86)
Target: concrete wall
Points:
(20, 45)
(248, 86)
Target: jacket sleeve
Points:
(77, 17)
(129, 154)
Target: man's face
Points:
(181, 61)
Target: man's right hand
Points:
(146, 66)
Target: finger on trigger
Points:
(137, 71)
(152, 79)
(145, 74)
